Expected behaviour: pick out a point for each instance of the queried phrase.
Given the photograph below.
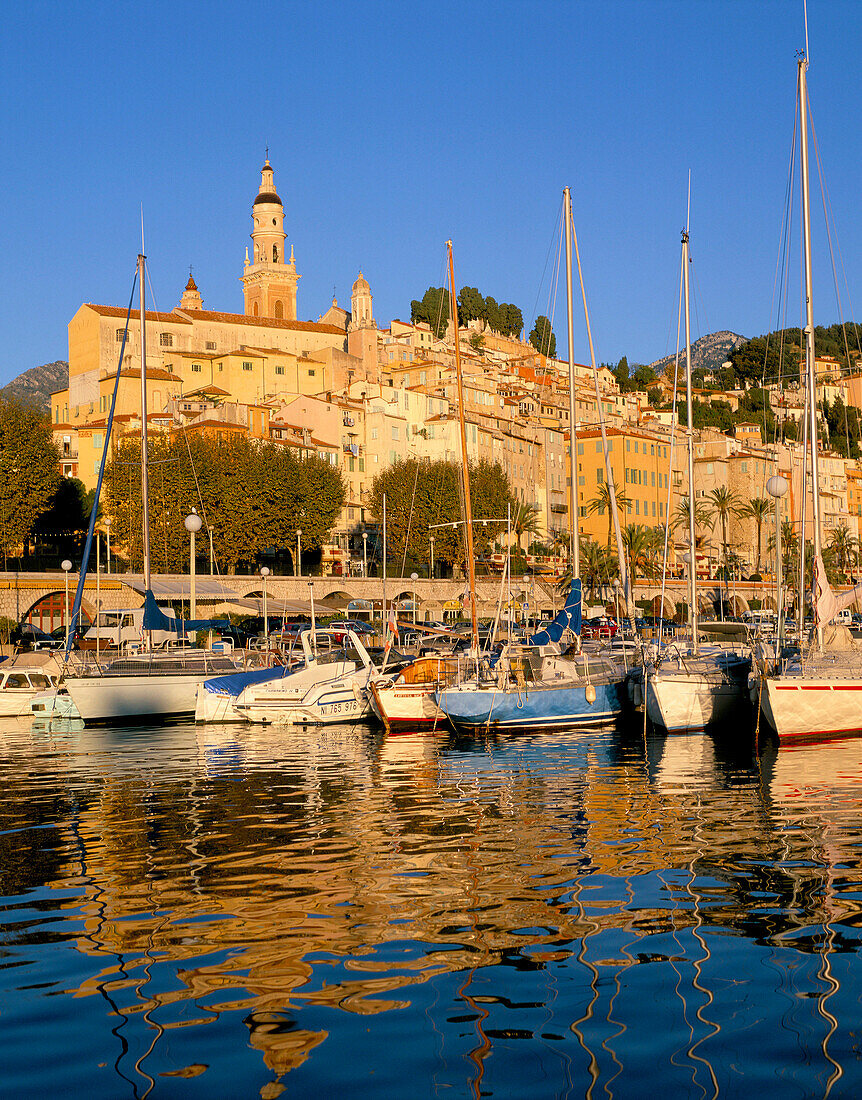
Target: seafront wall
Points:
(21, 591)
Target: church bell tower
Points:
(269, 280)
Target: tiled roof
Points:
(261, 322)
(118, 311)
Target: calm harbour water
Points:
(242, 912)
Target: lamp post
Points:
(311, 601)
(431, 542)
(776, 486)
(364, 553)
(264, 572)
(66, 565)
(192, 524)
(298, 570)
(526, 609)
(414, 577)
(108, 536)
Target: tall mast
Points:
(692, 570)
(145, 482)
(465, 469)
(573, 462)
(809, 314)
(625, 576)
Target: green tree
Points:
(29, 471)
(759, 509)
(642, 376)
(598, 566)
(722, 504)
(433, 310)
(253, 498)
(639, 544)
(621, 373)
(471, 305)
(420, 495)
(525, 519)
(844, 547)
(542, 337)
(511, 320)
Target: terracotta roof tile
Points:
(261, 322)
(118, 311)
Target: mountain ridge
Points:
(709, 352)
(35, 386)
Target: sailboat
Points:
(154, 685)
(686, 690)
(815, 693)
(537, 686)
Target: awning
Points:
(206, 588)
(285, 608)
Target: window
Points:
(279, 370)
(197, 368)
(118, 336)
(351, 464)
(394, 431)
(628, 444)
(362, 465)
(598, 446)
(600, 475)
(98, 441)
(220, 366)
(373, 433)
(580, 448)
(166, 340)
(210, 345)
(311, 374)
(246, 366)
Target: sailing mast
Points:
(575, 551)
(145, 482)
(465, 469)
(692, 568)
(810, 372)
(625, 575)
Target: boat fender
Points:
(591, 693)
(637, 694)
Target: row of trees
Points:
(777, 354)
(503, 318)
(253, 497)
(29, 471)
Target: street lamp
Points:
(431, 541)
(776, 486)
(414, 577)
(192, 524)
(66, 565)
(108, 536)
(364, 553)
(298, 571)
(311, 601)
(264, 572)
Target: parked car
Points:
(28, 636)
(598, 628)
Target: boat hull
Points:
(131, 698)
(682, 703)
(402, 708)
(531, 708)
(800, 708)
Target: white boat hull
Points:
(799, 707)
(683, 702)
(132, 697)
(324, 705)
(406, 706)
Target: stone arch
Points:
(769, 603)
(48, 611)
(737, 603)
(278, 309)
(663, 606)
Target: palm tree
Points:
(680, 515)
(601, 503)
(525, 520)
(598, 567)
(638, 543)
(844, 547)
(758, 510)
(723, 503)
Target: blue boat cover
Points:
(156, 619)
(567, 619)
(236, 682)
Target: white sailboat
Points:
(815, 693)
(155, 685)
(688, 689)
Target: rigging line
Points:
(410, 522)
(554, 237)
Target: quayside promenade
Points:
(21, 592)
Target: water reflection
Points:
(542, 916)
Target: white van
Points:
(124, 628)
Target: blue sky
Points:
(394, 126)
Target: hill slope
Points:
(36, 385)
(709, 352)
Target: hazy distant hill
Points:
(36, 385)
(708, 352)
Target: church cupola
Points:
(269, 279)
(361, 315)
(191, 298)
